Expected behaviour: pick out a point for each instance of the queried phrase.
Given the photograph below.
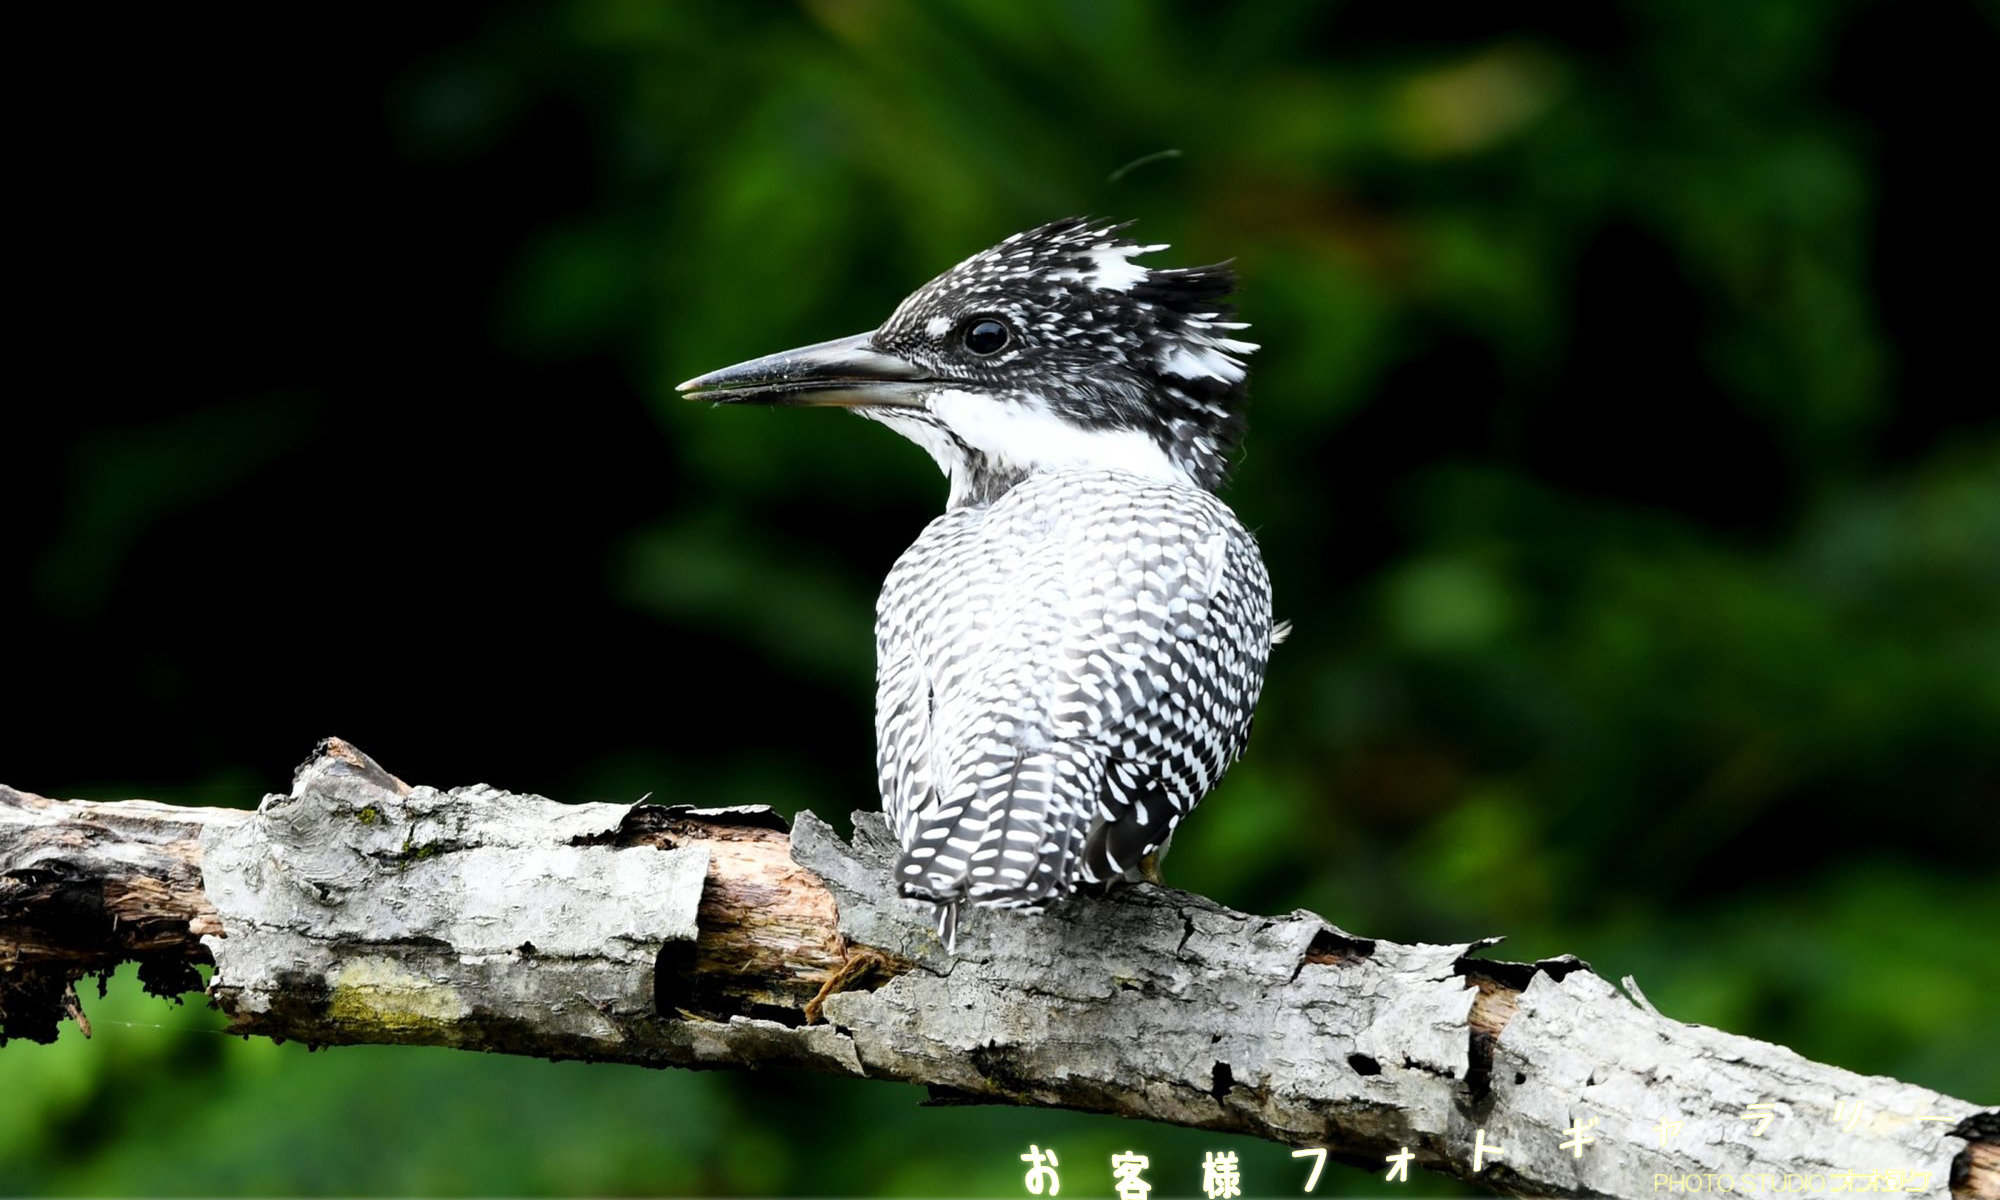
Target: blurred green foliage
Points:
(1607, 450)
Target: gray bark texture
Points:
(358, 909)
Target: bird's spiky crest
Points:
(1114, 343)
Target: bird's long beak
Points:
(846, 372)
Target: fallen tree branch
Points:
(360, 909)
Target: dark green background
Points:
(1623, 446)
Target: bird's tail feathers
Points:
(1007, 840)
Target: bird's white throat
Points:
(1016, 437)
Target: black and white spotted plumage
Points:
(1063, 674)
(1069, 657)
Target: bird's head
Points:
(1053, 350)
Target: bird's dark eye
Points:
(986, 336)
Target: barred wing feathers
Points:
(1064, 674)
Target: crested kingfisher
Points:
(1068, 658)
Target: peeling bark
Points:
(360, 909)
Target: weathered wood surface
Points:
(359, 909)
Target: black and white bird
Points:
(1069, 657)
